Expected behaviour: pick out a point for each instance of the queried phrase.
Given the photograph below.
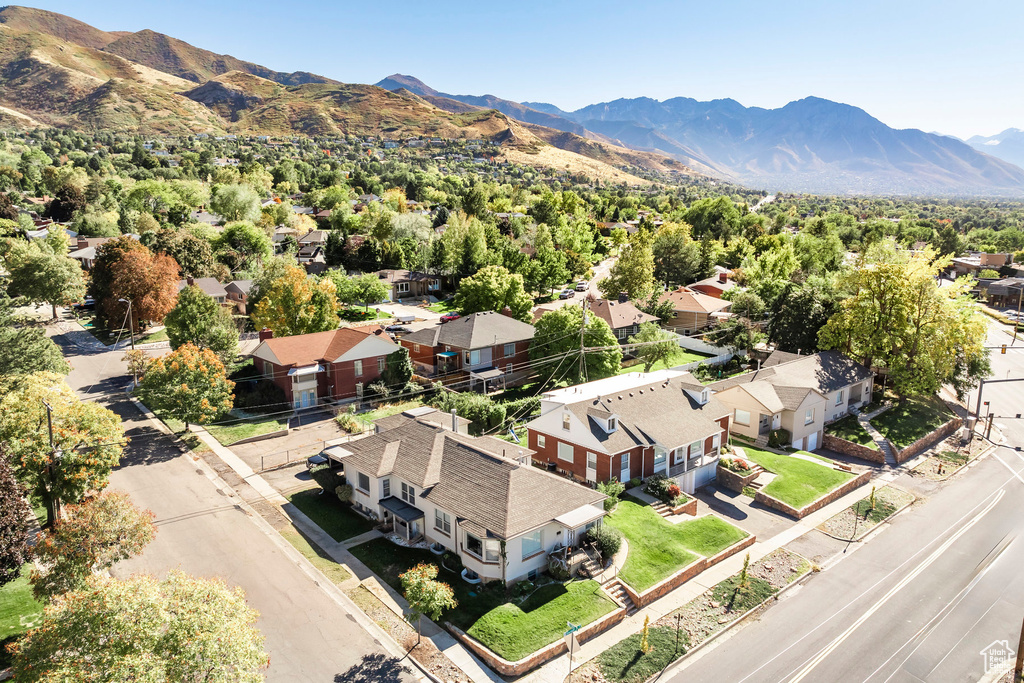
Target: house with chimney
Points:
(798, 394)
(410, 283)
(693, 311)
(238, 294)
(479, 498)
(323, 367)
(488, 348)
(209, 286)
(630, 426)
(716, 285)
(622, 316)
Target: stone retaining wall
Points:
(668, 585)
(687, 508)
(733, 480)
(854, 450)
(926, 442)
(776, 504)
(262, 437)
(542, 656)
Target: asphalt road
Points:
(921, 601)
(309, 636)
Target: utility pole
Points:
(1016, 323)
(131, 337)
(53, 502)
(583, 328)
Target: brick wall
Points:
(608, 466)
(926, 442)
(854, 450)
(776, 504)
(542, 656)
(732, 480)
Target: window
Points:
(435, 284)
(541, 441)
(625, 462)
(704, 396)
(565, 452)
(613, 424)
(474, 545)
(358, 365)
(408, 494)
(380, 365)
(268, 369)
(532, 575)
(510, 350)
(623, 332)
(716, 443)
(696, 449)
(742, 417)
(566, 421)
(491, 551)
(591, 461)
(415, 348)
(443, 522)
(660, 456)
(363, 483)
(532, 544)
(839, 398)
(385, 488)
(809, 416)
(402, 287)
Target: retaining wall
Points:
(854, 450)
(687, 508)
(926, 442)
(778, 505)
(262, 437)
(541, 656)
(733, 480)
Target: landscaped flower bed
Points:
(858, 519)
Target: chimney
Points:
(507, 312)
(723, 277)
(266, 333)
(83, 242)
(455, 421)
(189, 281)
(623, 297)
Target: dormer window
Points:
(566, 421)
(613, 423)
(704, 397)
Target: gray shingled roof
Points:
(474, 331)
(661, 412)
(470, 477)
(433, 417)
(792, 375)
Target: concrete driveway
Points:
(396, 309)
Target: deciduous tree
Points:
(425, 594)
(398, 369)
(246, 245)
(149, 281)
(140, 629)
(658, 345)
(235, 203)
(91, 537)
(555, 350)
(363, 289)
(633, 273)
(293, 304)
(24, 348)
(189, 384)
(199, 320)
(14, 532)
(88, 440)
(492, 289)
(41, 272)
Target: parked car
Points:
(397, 328)
(448, 317)
(317, 460)
(582, 286)
(86, 304)
(566, 294)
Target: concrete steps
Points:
(614, 588)
(590, 568)
(661, 509)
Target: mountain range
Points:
(58, 71)
(811, 144)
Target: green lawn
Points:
(514, 631)
(905, 423)
(389, 409)
(680, 357)
(312, 552)
(19, 611)
(446, 306)
(658, 549)
(483, 611)
(330, 514)
(852, 430)
(798, 482)
(354, 314)
(251, 426)
(158, 336)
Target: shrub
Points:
(344, 493)
(378, 390)
(658, 486)
(259, 396)
(738, 465)
(329, 480)
(524, 588)
(451, 562)
(674, 491)
(557, 571)
(608, 539)
(612, 488)
(348, 422)
(635, 481)
(779, 437)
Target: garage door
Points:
(798, 444)
(812, 441)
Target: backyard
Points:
(658, 549)
(798, 481)
(330, 514)
(850, 429)
(680, 357)
(484, 612)
(905, 423)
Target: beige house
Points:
(799, 394)
(694, 311)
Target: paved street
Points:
(920, 601)
(309, 636)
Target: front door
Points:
(762, 427)
(306, 398)
(624, 474)
(591, 467)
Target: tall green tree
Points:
(802, 310)
(633, 273)
(364, 289)
(235, 203)
(426, 595)
(181, 629)
(25, 348)
(492, 289)
(14, 529)
(555, 351)
(659, 346)
(293, 305)
(398, 369)
(244, 246)
(41, 272)
(189, 384)
(88, 440)
(199, 320)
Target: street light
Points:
(131, 336)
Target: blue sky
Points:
(950, 67)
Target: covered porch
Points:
(447, 362)
(406, 520)
(491, 378)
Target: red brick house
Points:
(486, 346)
(630, 426)
(325, 366)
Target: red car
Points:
(448, 317)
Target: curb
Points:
(872, 530)
(740, 619)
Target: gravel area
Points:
(849, 525)
(703, 616)
(947, 457)
(428, 656)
